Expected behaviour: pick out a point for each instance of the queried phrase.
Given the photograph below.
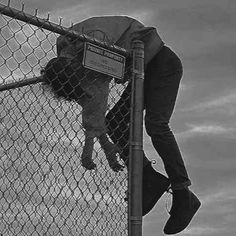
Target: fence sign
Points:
(103, 60)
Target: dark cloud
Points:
(220, 55)
(44, 5)
(199, 16)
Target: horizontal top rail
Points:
(46, 24)
(22, 83)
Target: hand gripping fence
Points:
(63, 146)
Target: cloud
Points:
(217, 211)
(207, 52)
(92, 8)
(220, 103)
(223, 193)
(230, 98)
(230, 217)
(200, 15)
(209, 129)
(202, 230)
(208, 148)
(206, 130)
(218, 202)
(44, 5)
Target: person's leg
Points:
(161, 88)
(117, 121)
(160, 96)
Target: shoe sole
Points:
(196, 206)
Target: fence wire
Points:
(44, 189)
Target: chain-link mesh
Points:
(44, 189)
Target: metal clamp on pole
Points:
(137, 145)
(136, 141)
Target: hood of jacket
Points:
(118, 30)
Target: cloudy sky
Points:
(203, 34)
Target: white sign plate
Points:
(103, 60)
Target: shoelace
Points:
(153, 162)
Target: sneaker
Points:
(154, 186)
(184, 207)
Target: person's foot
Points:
(184, 207)
(154, 186)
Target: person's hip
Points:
(165, 62)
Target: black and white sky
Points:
(203, 34)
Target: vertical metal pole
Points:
(136, 142)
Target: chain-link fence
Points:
(62, 146)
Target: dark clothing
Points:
(118, 30)
(162, 78)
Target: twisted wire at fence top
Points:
(44, 190)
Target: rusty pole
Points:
(136, 142)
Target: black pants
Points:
(161, 84)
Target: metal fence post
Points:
(136, 142)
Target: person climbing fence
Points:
(163, 73)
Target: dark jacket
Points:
(118, 30)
